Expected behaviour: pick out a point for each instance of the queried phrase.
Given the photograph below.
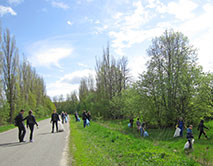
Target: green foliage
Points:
(20, 86)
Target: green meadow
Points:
(113, 143)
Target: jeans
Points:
(54, 123)
(21, 133)
(31, 131)
(84, 123)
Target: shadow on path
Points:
(11, 144)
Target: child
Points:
(131, 122)
(201, 128)
(190, 136)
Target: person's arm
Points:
(51, 118)
(35, 121)
(205, 127)
(198, 128)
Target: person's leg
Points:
(200, 134)
(56, 123)
(23, 133)
(53, 123)
(181, 132)
(204, 133)
(31, 131)
(19, 133)
(190, 143)
(84, 123)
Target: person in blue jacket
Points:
(181, 126)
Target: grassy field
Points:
(112, 143)
(11, 126)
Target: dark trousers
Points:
(181, 131)
(202, 132)
(21, 132)
(55, 123)
(31, 126)
(190, 143)
(85, 123)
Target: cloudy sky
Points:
(63, 38)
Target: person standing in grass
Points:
(76, 116)
(84, 117)
(21, 128)
(88, 115)
(31, 121)
(54, 120)
(201, 128)
(138, 124)
(180, 125)
(190, 136)
(131, 121)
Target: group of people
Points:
(189, 135)
(140, 126)
(31, 122)
(86, 117)
(19, 122)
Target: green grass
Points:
(112, 143)
(11, 126)
(163, 138)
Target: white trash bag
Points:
(186, 146)
(60, 127)
(177, 132)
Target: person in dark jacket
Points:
(201, 128)
(190, 136)
(31, 121)
(84, 117)
(21, 128)
(62, 117)
(54, 120)
(76, 116)
(88, 115)
(131, 121)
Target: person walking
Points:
(84, 117)
(201, 128)
(180, 125)
(190, 136)
(19, 120)
(54, 121)
(31, 121)
(62, 117)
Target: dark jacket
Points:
(201, 127)
(20, 120)
(84, 116)
(31, 120)
(55, 117)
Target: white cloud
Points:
(182, 10)
(61, 5)
(50, 56)
(15, 2)
(83, 65)
(49, 52)
(69, 23)
(6, 10)
(68, 83)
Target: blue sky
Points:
(63, 38)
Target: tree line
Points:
(20, 86)
(173, 86)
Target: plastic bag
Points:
(87, 122)
(186, 146)
(177, 132)
(61, 127)
(129, 125)
(145, 134)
